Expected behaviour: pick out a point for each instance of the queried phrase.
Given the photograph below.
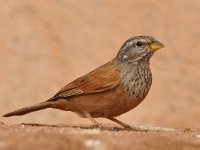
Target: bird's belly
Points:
(106, 104)
(123, 105)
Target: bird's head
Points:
(139, 48)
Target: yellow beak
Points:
(156, 46)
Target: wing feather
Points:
(101, 79)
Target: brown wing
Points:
(101, 79)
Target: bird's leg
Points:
(120, 123)
(125, 125)
(98, 125)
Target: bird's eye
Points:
(139, 43)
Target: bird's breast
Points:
(136, 81)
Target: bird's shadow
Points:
(89, 127)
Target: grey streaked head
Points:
(138, 48)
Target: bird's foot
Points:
(130, 128)
(96, 126)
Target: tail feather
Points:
(29, 109)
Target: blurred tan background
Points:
(46, 44)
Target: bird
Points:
(110, 90)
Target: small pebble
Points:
(198, 136)
(95, 144)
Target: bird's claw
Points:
(130, 128)
(96, 126)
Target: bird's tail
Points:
(29, 109)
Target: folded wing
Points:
(101, 79)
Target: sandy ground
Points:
(46, 44)
(38, 136)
